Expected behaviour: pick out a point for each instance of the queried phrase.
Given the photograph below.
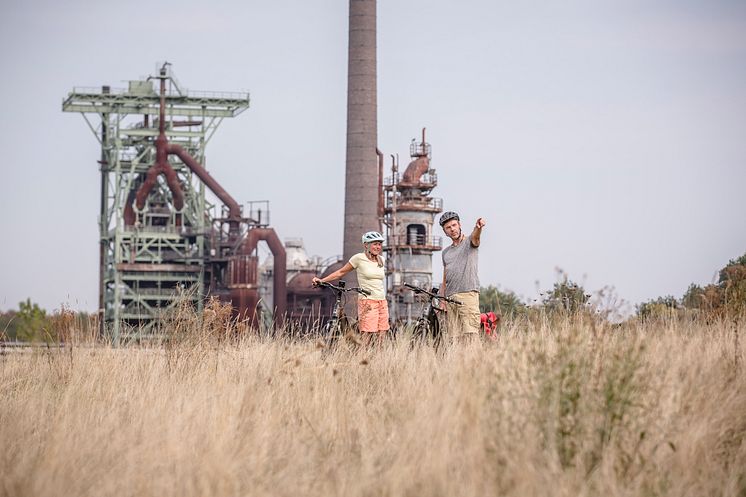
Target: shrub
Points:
(566, 296)
(506, 304)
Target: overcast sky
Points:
(604, 138)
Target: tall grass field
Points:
(552, 407)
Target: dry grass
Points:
(568, 408)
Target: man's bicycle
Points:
(339, 325)
(427, 327)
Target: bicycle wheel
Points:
(331, 333)
(421, 331)
(436, 332)
(351, 335)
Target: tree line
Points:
(722, 299)
(31, 323)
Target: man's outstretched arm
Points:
(477, 232)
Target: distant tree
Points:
(506, 304)
(33, 323)
(566, 296)
(738, 261)
(693, 297)
(725, 298)
(732, 282)
(8, 325)
(660, 307)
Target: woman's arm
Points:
(339, 273)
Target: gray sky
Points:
(603, 138)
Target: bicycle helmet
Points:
(372, 236)
(447, 216)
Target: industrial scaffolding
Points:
(409, 213)
(148, 266)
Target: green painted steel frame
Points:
(146, 271)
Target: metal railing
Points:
(415, 241)
(419, 204)
(426, 180)
(420, 149)
(199, 95)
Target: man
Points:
(460, 278)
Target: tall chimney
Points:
(361, 178)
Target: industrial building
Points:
(162, 242)
(409, 214)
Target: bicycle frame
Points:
(333, 329)
(427, 325)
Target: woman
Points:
(372, 310)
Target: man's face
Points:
(452, 229)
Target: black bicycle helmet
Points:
(447, 216)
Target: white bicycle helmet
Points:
(372, 236)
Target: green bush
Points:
(33, 324)
(658, 308)
(566, 297)
(506, 304)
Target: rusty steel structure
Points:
(409, 214)
(161, 240)
(307, 307)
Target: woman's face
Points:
(375, 248)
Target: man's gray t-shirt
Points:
(460, 266)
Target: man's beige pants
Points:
(463, 320)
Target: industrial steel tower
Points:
(362, 176)
(157, 230)
(410, 212)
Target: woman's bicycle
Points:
(339, 325)
(427, 327)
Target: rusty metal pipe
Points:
(280, 270)
(182, 124)
(142, 193)
(380, 189)
(416, 169)
(162, 110)
(161, 166)
(234, 209)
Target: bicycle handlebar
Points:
(417, 289)
(342, 290)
